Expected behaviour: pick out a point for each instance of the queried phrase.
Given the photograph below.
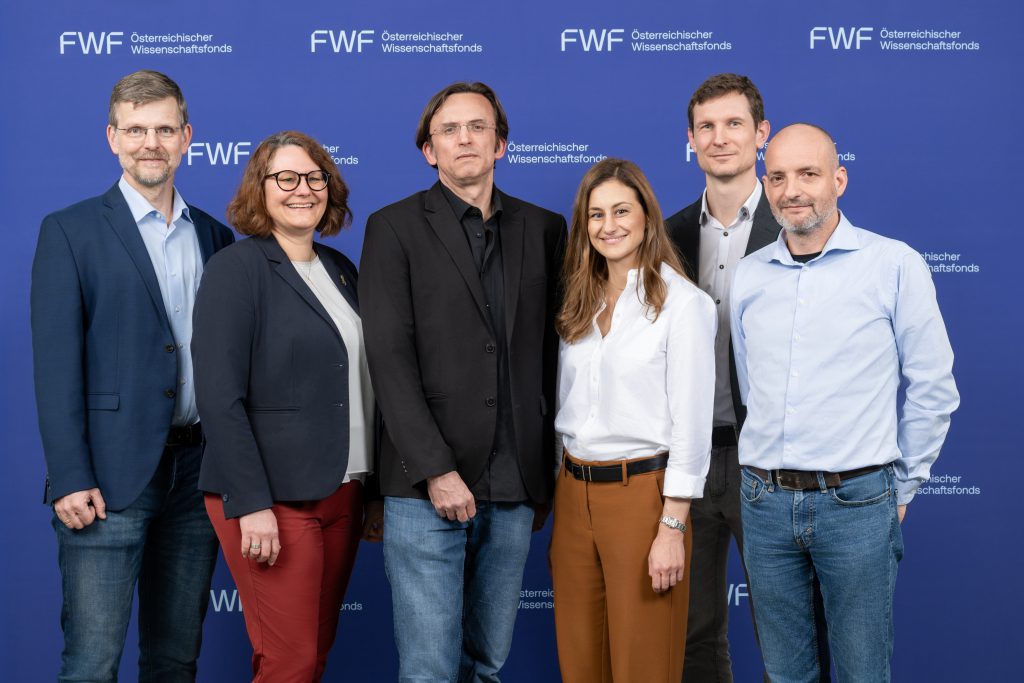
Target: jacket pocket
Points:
(102, 401)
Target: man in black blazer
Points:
(732, 218)
(459, 292)
(113, 283)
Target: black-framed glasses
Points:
(449, 130)
(289, 180)
(138, 132)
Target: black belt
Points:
(802, 480)
(603, 473)
(722, 437)
(191, 435)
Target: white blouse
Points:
(360, 392)
(645, 388)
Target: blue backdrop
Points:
(923, 99)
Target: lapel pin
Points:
(343, 282)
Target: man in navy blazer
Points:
(113, 284)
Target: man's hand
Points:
(373, 521)
(260, 540)
(901, 512)
(451, 497)
(80, 509)
(540, 515)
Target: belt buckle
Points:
(784, 482)
(588, 473)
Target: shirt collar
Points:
(460, 207)
(746, 210)
(843, 238)
(140, 206)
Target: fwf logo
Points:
(90, 43)
(219, 153)
(349, 41)
(841, 37)
(592, 40)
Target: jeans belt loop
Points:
(625, 473)
(822, 484)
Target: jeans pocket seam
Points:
(861, 503)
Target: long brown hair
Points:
(585, 271)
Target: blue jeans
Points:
(455, 587)
(163, 541)
(850, 536)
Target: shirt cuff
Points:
(905, 491)
(682, 485)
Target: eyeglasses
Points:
(289, 180)
(138, 132)
(449, 130)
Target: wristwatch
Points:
(673, 523)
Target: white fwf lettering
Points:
(841, 37)
(341, 40)
(736, 591)
(219, 153)
(591, 39)
(224, 601)
(91, 43)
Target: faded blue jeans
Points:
(850, 536)
(454, 587)
(165, 543)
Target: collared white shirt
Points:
(721, 248)
(643, 389)
(822, 348)
(178, 263)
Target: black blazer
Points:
(271, 375)
(106, 365)
(431, 346)
(684, 229)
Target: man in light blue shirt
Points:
(827, 322)
(113, 283)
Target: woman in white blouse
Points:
(636, 378)
(286, 405)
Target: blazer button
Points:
(489, 348)
(169, 393)
(224, 497)
(169, 348)
(490, 402)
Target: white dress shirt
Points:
(822, 348)
(643, 389)
(721, 248)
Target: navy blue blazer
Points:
(271, 374)
(104, 356)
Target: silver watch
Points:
(673, 523)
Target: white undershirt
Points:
(360, 392)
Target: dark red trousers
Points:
(291, 609)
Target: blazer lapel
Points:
(119, 217)
(343, 284)
(284, 268)
(204, 233)
(765, 229)
(512, 231)
(444, 223)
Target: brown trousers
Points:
(610, 624)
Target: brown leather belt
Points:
(802, 480)
(603, 473)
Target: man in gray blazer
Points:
(732, 218)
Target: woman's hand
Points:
(373, 521)
(666, 563)
(260, 541)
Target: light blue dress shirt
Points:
(821, 349)
(178, 262)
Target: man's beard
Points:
(808, 225)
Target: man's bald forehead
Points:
(806, 134)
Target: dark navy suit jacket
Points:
(271, 378)
(104, 355)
